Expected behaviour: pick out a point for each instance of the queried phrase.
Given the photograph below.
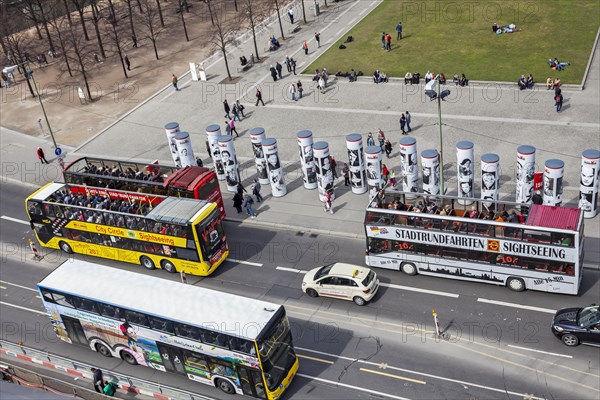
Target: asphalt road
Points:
(386, 349)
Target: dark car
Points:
(576, 325)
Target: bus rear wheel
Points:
(102, 349)
(147, 262)
(225, 386)
(128, 357)
(409, 268)
(168, 266)
(64, 246)
(515, 284)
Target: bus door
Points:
(75, 330)
(172, 358)
(252, 383)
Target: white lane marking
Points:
(590, 344)
(514, 305)
(363, 11)
(2, 287)
(22, 308)
(290, 269)
(19, 221)
(336, 383)
(20, 286)
(492, 389)
(244, 262)
(351, 21)
(539, 351)
(414, 289)
(340, 31)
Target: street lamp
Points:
(29, 74)
(434, 93)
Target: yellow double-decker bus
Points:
(175, 234)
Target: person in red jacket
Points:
(41, 156)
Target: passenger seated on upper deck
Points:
(513, 217)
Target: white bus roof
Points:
(45, 192)
(178, 210)
(193, 305)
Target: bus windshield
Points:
(277, 353)
(211, 236)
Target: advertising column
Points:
(554, 171)
(229, 161)
(490, 179)
(324, 172)
(276, 178)
(184, 149)
(358, 176)
(171, 129)
(307, 159)
(213, 132)
(430, 162)
(588, 189)
(524, 173)
(257, 135)
(465, 154)
(410, 167)
(374, 166)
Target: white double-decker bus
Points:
(537, 247)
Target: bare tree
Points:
(80, 7)
(279, 18)
(160, 14)
(210, 10)
(67, 11)
(18, 44)
(183, 5)
(45, 22)
(150, 22)
(80, 55)
(117, 38)
(130, 10)
(29, 12)
(253, 11)
(58, 25)
(96, 19)
(224, 32)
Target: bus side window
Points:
(109, 311)
(241, 345)
(136, 318)
(34, 208)
(47, 295)
(160, 324)
(195, 360)
(85, 305)
(63, 300)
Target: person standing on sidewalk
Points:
(292, 91)
(346, 172)
(98, 379)
(279, 68)
(399, 30)
(259, 97)
(41, 156)
(403, 124)
(327, 204)
(248, 201)
(300, 89)
(305, 47)
(318, 39)
(293, 63)
(388, 148)
(256, 190)
(240, 107)
(558, 102)
(288, 63)
(238, 199)
(291, 15)
(408, 128)
(333, 165)
(273, 72)
(174, 82)
(236, 112)
(227, 109)
(232, 128)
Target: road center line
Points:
(23, 308)
(514, 305)
(315, 359)
(19, 286)
(19, 221)
(244, 262)
(340, 31)
(539, 351)
(414, 289)
(290, 269)
(351, 21)
(345, 385)
(392, 376)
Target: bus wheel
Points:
(225, 386)
(409, 268)
(147, 262)
(515, 284)
(64, 246)
(128, 357)
(102, 349)
(168, 266)
(312, 293)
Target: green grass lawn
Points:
(457, 37)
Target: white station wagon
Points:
(343, 281)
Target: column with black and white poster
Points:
(171, 129)
(358, 175)
(307, 159)
(213, 132)
(590, 178)
(554, 171)
(274, 167)
(184, 149)
(229, 161)
(410, 166)
(430, 162)
(524, 172)
(373, 158)
(490, 179)
(324, 171)
(257, 135)
(465, 153)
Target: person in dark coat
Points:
(238, 199)
(273, 72)
(98, 379)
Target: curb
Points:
(276, 225)
(589, 64)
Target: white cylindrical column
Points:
(525, 169)
(213, 132)
(554, 171)
(374, 167)
(356, 164)
(465, 166)
(490, 178)
(324, 172)
(184, 149)
(257, 135)
(276, 178)
(171, 129)
(410, 166)
(229, 161)
(430, 162)
(588, 189)
(307, 159)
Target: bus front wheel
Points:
(147, 262)
(64, 246)
(409, 268)
(102, 349)
(128, 357)
(168, 266)
(225, 386)
(515, 284)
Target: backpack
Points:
(557, 98)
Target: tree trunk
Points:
(140, 6)
(62, 49)
(96, 20)
(254, 38)
(120, 52)
(212, 19)
(279, 18)
(131, 20)
(85, 33)
(303, 12)
(226, 62)
(68, 12)
(181, 6)
(45, 23)
(160, 15)
(34, 19)
(155, 49)
(30, 87)
(235, 5)
(87, 85)
(326, 4)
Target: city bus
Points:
(191, 182)
(237, 344)
(520, 246)
(175, 234)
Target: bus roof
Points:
(178, 210)
(554, 217)
(187, 178)
(188, 304)
(43, 193)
